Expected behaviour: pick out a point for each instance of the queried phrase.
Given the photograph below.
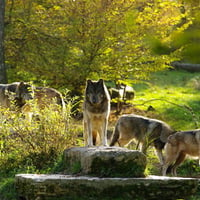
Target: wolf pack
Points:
(96, 110)
(131, 127)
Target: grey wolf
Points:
(178, 146)
(124, 93)
(44, 97)
(17, 93)
(120, 96)
(144, 130)
(96, 110)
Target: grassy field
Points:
(174, 96)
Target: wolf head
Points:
(96, 92)
(24, 91)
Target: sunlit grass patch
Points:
(172, 98)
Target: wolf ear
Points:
(21, 84)
(19, 88)
(89, 81)
(101, 81)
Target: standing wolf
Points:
(144, 130)
(96, 110)
(178, 146)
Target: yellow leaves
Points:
(108, 51)
(76, 51)
(130, 18)
(39, 8)
(56, 7)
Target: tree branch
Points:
(188, 108)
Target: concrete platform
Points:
(60, 187)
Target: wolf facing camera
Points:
(96, 110)
(18, 93)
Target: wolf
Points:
(45, 96)
(17, 93)
(144, 130)
(179, 145)
(96, 110)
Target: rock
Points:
(111, 165)
(104, 162)
(62, 187)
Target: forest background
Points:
(63, 43)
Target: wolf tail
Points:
(115, 136)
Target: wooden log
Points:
(186, 66)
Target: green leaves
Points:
(66, 42)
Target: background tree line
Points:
(62, 43)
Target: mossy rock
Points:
(104, 162)
(60, 187)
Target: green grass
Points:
(175, 97)
(7, 189)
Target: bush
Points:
(35, 145)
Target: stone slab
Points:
(104, 162)
(62, 187)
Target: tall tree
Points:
(66, 42)
(3, 75)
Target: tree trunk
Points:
(3, 74)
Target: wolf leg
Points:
(171, 155)
(85, 132)
(103, 135)
(198, 142)
(160, 156)
(164, 169)
(144, 146)
(88, 133)
(147, 140)
(90, 136)
(168, 161)
(179, 160)
(137, 145)
(159, 146)
(115, 136)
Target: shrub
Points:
(35, 145)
